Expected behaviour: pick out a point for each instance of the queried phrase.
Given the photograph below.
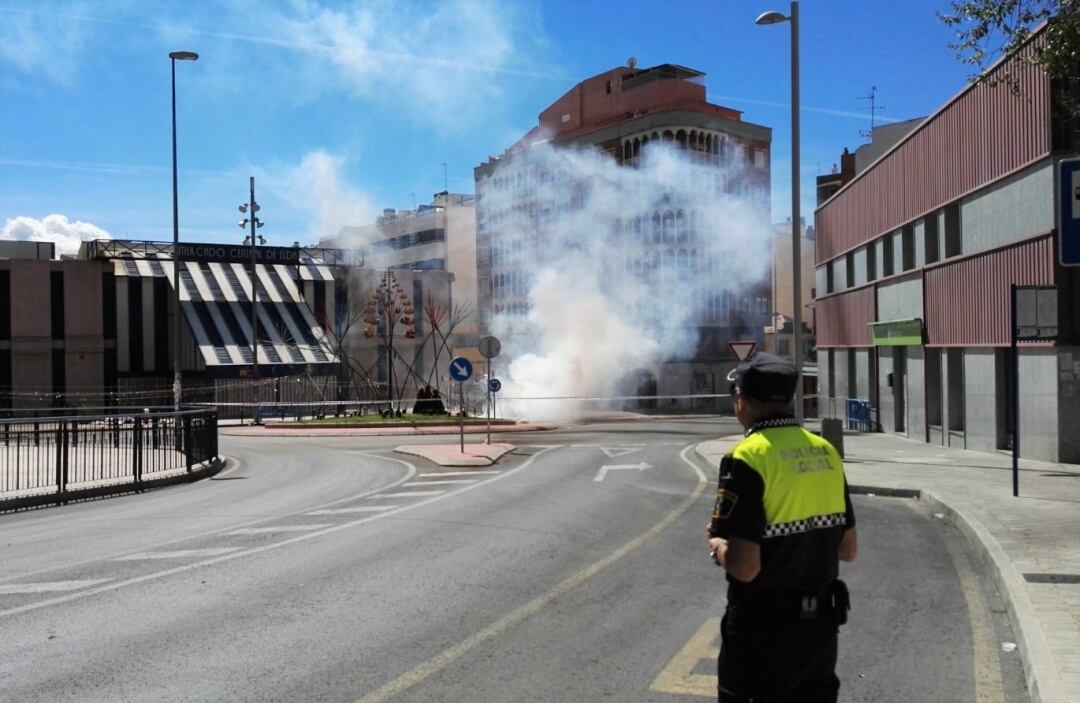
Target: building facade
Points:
(436, 237)
(523, 210)
(916, 256)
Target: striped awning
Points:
(216, 302)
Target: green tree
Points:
(988, 29)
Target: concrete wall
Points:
(1018, 207)
(901, 300)
(980, 399)
(31, 330)
(916, 393)
(83, 325)
(1068, 404)
(1039, 403)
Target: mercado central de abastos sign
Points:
(239, 254)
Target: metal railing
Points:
(61, 458)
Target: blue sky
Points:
(340, 109)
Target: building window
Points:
(850, 269)
(852, 375)
(955, 367)
(829, 278)
(57, 293)
(761, 158)
(930, 238)
(953, 245)
(907, 245)
(887, 259)
(871, 261)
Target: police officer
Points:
(782, 522)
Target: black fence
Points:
(60, 458)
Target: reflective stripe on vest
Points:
(803, 477)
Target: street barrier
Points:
(57, 459)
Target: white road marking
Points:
(359, 509)
(180, 554)
(407, 494)
(440, 483)
(279, 528)
(458, 473)
(9, 589)
(613, 452)
(117, 585)
(620, 467)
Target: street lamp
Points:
(173, 58)
(774, 17)
(253, 239)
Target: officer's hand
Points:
(717, 550)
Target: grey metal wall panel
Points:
(900, 300)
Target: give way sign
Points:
(742, 350)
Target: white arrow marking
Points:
(613, 452)
(461, 369)
(615, 467)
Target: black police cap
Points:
(766, 378)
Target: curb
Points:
(1043, 680)
(1044, 684)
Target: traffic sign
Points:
(742, 350)
(495, 385)
(489, 347)
(460, 369)
(1069, 212)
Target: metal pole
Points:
(796, 228)
(254, 306)
(461, 416)
(488, 364)
(1015, 409)
(176, 256)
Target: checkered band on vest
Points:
(805, 525)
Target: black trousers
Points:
(771, 658)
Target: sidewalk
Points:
(1030, 544)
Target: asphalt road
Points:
(332, 569)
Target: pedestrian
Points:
(782, 523)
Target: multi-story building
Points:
(523, 209)
(436, 237)
(916, 257)
(97, 329)
(779, 334)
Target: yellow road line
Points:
(988, 687)
(679, 677)
(449, 656)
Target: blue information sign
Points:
(1069, 212)
(495, 385)
(460, 369)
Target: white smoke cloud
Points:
(67, 235)
(318, 185)
(607, 301)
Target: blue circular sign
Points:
(495, 385)
(460, 369)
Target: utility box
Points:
(832, 429)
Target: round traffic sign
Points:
(495, 385)
(489, 347)
(460, 369)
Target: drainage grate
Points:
(1052, 578)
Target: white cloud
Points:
(67, 235)
(317, 185)
(449, 63)
(38, 43)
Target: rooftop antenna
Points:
(444, 186)
(874, 107)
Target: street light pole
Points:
(173, 58)
(253, 240)
(774, 17)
